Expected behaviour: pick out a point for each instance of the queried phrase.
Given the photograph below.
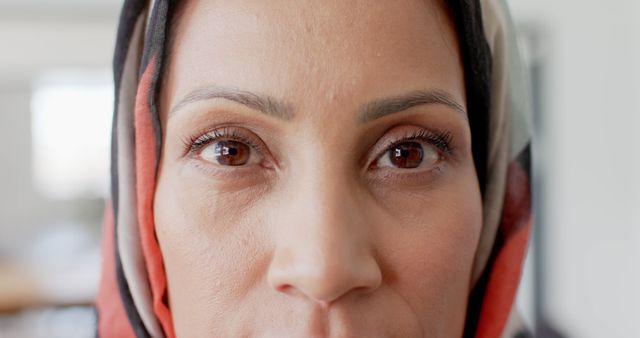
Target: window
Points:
(71, 126)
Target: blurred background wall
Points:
(54, 68)
(585, 56)
(583, 273)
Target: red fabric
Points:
(113, 320)
(507, 268)
(145, 178)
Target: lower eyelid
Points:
(217, 170)
(393, 178)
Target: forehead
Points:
(315, 52)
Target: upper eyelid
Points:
(243, 138)
(420, 139)
(224, 133)
(406, 137)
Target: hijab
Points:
(132, 297)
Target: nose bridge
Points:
(326, 191)
(333, 198)
(326, 252)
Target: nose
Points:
(323, 251)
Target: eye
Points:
(229, 147)
(409, 155)
(412, 147)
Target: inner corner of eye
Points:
(374, 164)
(267, 164)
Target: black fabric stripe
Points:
(524, 159)
(475, 301)
(96, 313)
(131, 10)
(160, 31)
(524, 333)
(477, 62)
(134, 317)
(154, 39)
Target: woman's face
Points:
(316, 177)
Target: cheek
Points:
(428, 245)
(212, 251)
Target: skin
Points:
(319, 234)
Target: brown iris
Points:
(231, 153)
(406, 155)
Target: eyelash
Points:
(439, 139)
(193, 144)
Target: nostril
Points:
(363, 290)
(285, 288)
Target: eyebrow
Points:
(263, 103)
(284, 111)
(388, 106)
